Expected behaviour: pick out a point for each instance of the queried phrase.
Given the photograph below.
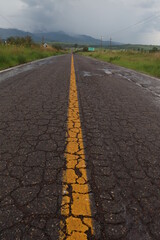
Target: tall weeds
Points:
(14, 55)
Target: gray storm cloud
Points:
(97, 18)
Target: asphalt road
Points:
(120, 119)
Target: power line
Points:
(7, 20)
(137, 23)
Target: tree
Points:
(11, 40)
(20, 41)
(28, 41)
(154, 49)
(85, 49)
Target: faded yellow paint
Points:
(75, 207)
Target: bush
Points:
(85, 49)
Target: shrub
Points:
(85, 49)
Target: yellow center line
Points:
(75, 207)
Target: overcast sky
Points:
(97, 18)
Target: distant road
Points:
(79, 152)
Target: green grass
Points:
(144, 62)
(15, 55)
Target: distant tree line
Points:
(20, 41)
(58, 47)
(154, 49)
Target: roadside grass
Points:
(11, 56)
(145, 62)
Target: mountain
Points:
(54, 37)
(6, 33)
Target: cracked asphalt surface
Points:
(120, 120)
(33, 115)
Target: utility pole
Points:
(110, 43)
(101, 42)
(42, 40)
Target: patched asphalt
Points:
(120, 120)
